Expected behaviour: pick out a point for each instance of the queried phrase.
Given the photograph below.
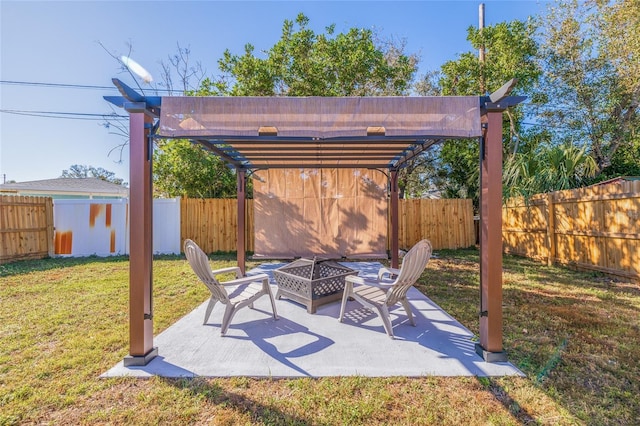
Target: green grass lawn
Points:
(63, 322)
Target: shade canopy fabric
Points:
(325, 212)
(319, 132)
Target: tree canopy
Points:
(588, 94)
(305, 63)
(182, 169)
(578, 65)
(82, 171)
(510, 51)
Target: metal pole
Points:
(481, 52)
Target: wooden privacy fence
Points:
(447, 223)
(594, 228)
(26, 227)
(213, 223)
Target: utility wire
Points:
(65, 86)
(66, 115)
(58, 85)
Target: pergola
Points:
(255, 133)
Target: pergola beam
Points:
(416, 152)
(262, 149)
(307, 155)
(228, 158)
(503, 91)
(369, 140)
(298, 165)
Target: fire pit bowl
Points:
(312, 282)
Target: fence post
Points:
(50, 229)
(551, 230)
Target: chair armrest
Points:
(246, 280)
(384, 270)
(227, 270)
(354, 279)
(361, 281)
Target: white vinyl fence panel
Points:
(166, 226)
(101, 227)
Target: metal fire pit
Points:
(312, 282)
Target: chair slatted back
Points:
(413, 264)
(200, 264)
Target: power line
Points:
(66, 85)
(58, 85)
(65, 115)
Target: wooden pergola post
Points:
(394, 219)
(490, 346)
(141, 349)
(240, 245)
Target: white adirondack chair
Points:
(255, 286)
(381, 294)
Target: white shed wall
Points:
(101, 227)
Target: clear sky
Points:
(57, 42)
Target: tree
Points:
(418, 178)
(180, 64)
(82, 171)
(548, 168)
(588, 94)
(621, 31)
(303, 63)
(625, 161)
(183, 169)
(510, 51)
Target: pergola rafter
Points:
(274, 132)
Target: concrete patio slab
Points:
(299, 344)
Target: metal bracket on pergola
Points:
(277, 132)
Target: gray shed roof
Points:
(71, 186)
